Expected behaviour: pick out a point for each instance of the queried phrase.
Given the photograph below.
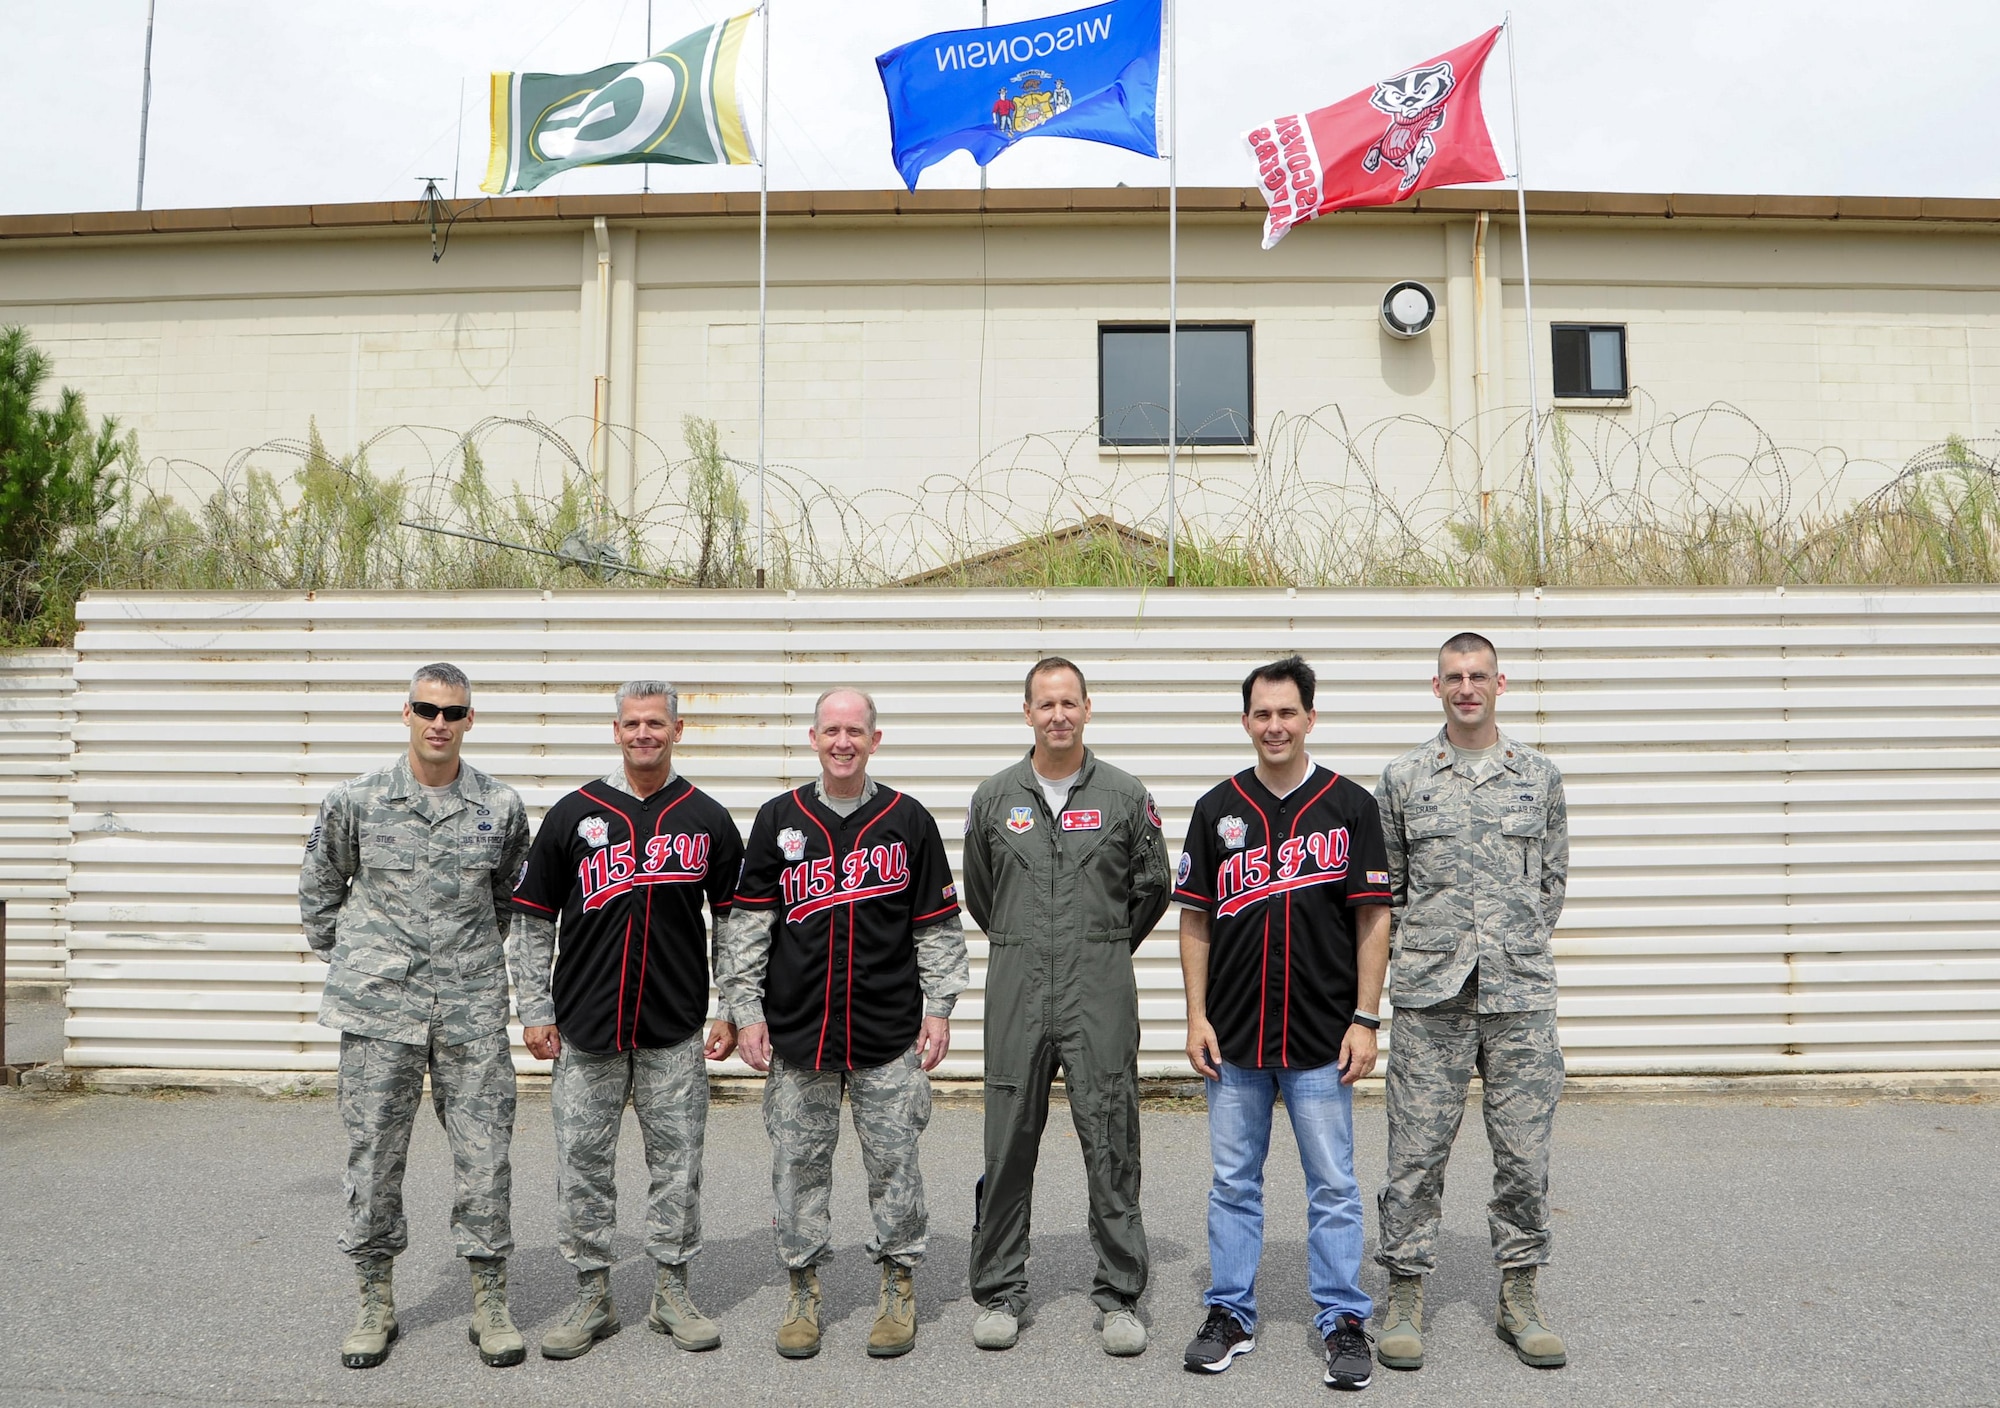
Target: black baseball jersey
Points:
(841, 991)
(626, 879)
(1278, 877)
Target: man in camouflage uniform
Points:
(404, 893)
(1478, 839)
(839, 965)
(623, 864)
(1066, 873)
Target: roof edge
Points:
(1116, 200)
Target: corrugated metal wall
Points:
(1786, 805)
(35, 687)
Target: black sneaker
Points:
(1220, 1339)
(1348, 1365)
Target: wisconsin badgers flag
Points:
(1421, 128)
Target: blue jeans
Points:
(1239, 1136)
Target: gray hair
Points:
(450, 676)
(864, 695)
(646, 689)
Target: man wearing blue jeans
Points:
(1284, 894)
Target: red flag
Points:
(1421, 128)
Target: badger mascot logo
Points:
(1415, 102)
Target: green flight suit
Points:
(1064, 899)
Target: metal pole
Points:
(1173, 279)
(145, 115)
(5, 1074)
(646, 171)
(1528, 316)
(763, 245)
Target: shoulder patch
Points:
(1186, 868)
(1152, 812)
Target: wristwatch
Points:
(1368, 1020)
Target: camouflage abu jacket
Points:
(1478, 862)
(408, 900)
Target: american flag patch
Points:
(1378, 877)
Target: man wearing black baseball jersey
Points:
(839, 965)
(622, 865)
(1284, 893)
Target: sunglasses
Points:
(453, 713)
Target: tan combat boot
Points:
(895, 1329)
(492, 1328)
(591, 1317)
(367, 1344)
(675, 1313)
(1399, 1342)
(1522, 1324)
(798, 1332)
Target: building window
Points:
(1589, 360)
(1214, 392)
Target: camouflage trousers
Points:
(1433, 1052)
(667, 1088)
(472, 1090)
(892, 1105)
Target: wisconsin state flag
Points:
(1422, 127)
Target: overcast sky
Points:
(260, 102)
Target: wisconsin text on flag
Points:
(1091, 74)
(679, 107)
(1416, 129)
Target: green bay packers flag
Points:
(678, 107)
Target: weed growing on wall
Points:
(1706, 499)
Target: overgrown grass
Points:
(1616, 515)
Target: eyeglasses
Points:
(453, 713)
(1478, 680)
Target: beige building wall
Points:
(933, 372)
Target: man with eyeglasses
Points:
(405, 893)
(1478, 836)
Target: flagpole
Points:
(763, 245)
(1173, 277)
(1528, 314)
(145, 109)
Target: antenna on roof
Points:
(429, 206)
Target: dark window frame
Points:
(1249, 437)
(1588, 392)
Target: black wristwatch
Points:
(1368, 1020)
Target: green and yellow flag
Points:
(678, 107)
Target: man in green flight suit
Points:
(1066, 873)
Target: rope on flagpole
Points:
(1173, 278)
(763, 244)
(1528, 314)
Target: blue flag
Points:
(1091, 74)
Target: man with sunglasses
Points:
(405, 892)
(1478, 835)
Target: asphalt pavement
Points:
(177, 1248)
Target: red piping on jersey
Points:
(826, 1003)
(532, 905)
(646, 937)
(1285, 1030)
(934, 914)
(894, 796)
(625, 954)
(1264, 973)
